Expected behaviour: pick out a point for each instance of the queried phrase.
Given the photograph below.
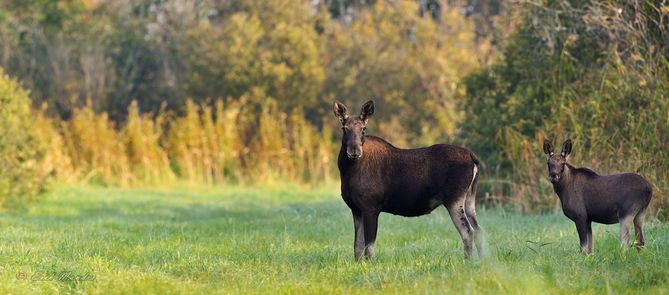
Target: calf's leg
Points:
(625, 224)
(370, 222)
(638, 228)
(359, 243)
(459, 217)
(584, 229)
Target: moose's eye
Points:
(364, 129)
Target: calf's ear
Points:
(367, 111)
(548, 147)
(340, 111)
(566, 148)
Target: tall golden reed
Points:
(209, 143)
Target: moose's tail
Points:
(475, 176)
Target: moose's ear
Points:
(548, 147)
(340, 111)
(367, 110)
(566, 148)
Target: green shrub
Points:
(21, 175)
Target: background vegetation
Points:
(593, 71)
(21, 151)
(151, 92)
(133, 92)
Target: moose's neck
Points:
(561, 187)
(374, 149)
(343, 161)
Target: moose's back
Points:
(410, 181)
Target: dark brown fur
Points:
(378, 177)
(587, 197)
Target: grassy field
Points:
(286, 240)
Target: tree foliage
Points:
(291, 51)
(21, 151)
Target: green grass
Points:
(285, 240)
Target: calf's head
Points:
(353, 128)
(556, 162)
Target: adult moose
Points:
(378, 177)
(587, 197)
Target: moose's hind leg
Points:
(638, 228)
(459, 217)
(470, 213)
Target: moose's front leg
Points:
(588, 236)
(370, 222)
(359, 243)
(585, 235)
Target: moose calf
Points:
(378, 177)
(587, 197)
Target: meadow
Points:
(229, 103)
(290, 239)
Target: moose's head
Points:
(556, 162)
(353, 128)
